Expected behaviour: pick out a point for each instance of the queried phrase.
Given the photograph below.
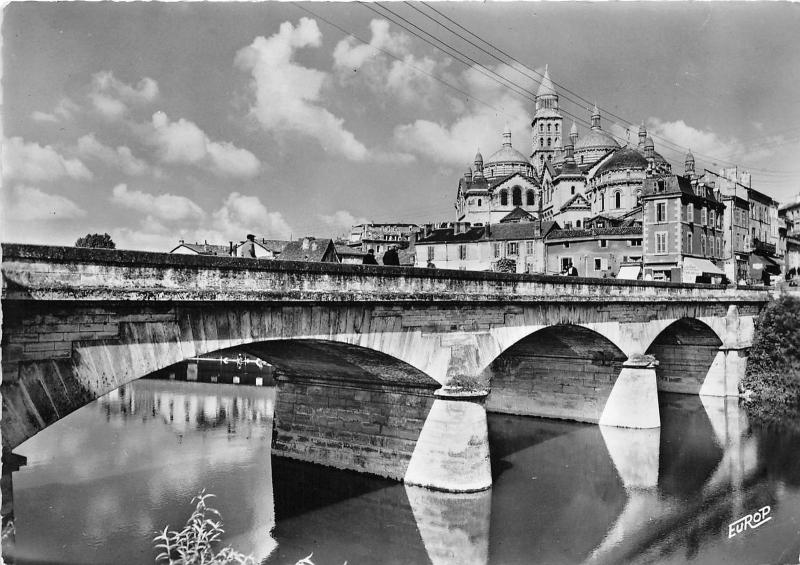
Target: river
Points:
(100, 482)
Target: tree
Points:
(96, 240)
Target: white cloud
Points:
(35, 163)
(697, 140)
(478, 126)
(350, 54)
(163, 206)
(32, 204)
(409, 78)
(341, 221)
(287, 95)
(111, 97)
(241, 214)
(64, 110)
(183, 141)
(121, 157)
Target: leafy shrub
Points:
(96, 240)
(195, 543)
(505, 265)
(773, 368)
(468, 383)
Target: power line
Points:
(560, 86)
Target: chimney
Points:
(180, 241)
(306, 243)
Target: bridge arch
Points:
(561, 371)
(686, 351)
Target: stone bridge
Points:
(381, 370)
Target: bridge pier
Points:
(726, 372)
(633, 402)
(452, 452)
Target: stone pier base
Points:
(633, 402)
(725, 373)
(452, 453)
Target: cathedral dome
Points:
(596, 139)
(506, 154)
(627, 158)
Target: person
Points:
(391, 257)
(248, 248)
(572, 271)
(369, 258)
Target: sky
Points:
(159, 122)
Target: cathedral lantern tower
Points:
(547, 124)
(689, 164)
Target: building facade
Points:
(514, 246)
(682, 230)
(598, 252)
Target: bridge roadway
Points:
(381, 370)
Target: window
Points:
(603, 243)
(511, 248)
(690, 213)
(462, 252)
(661, 242)
(635, 242)
(549, 141)
(719, 247)
(529, 248)
(598, 264)
(497, 250)
(556, 128)
(479, 202)
(541, 142)
(503, 198)
(703, 245)
(548, 128)
(430, 253)
(572, 189)
(617, 200)
(703, 217)
(661, 211)
(516, 196)
(566, 244)
(689, 243)
(565, 263)
(577, 223)
(529, 198)
(712, 220)
(541, 127)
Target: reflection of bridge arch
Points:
(685, 350)
(561, 371)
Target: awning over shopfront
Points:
(759, 262)
(694, 267)
(629, 272)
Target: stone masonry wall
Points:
(551, 387)
(363, 427)
(682, 368)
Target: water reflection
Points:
(98, 483)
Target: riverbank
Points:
(771, 385)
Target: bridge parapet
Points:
(68, 273)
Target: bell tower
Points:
(547, 124)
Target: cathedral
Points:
(566, 179)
